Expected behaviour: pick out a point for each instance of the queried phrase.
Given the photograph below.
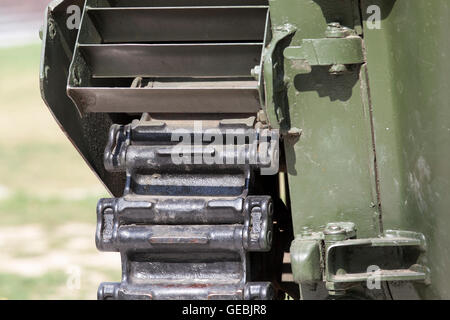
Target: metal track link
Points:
(185, 230)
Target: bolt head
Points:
(334, 25)
(334, 228)
(337, 69)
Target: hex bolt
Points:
(333, 233)
(255, 72)
(337, 69)
(336, 30)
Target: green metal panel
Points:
(408, 75)
(330, 167)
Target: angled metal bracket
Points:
(273, 82)
(338, 258)
(396, 256)
(324, 52)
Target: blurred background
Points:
(48, 195)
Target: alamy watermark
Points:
(374, 280)
(73, 17)
(74, 14)
(214, 146)
(374, 18)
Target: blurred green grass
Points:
(48, 195)
(11, 285)
(20, 208)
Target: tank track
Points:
(185, 231)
